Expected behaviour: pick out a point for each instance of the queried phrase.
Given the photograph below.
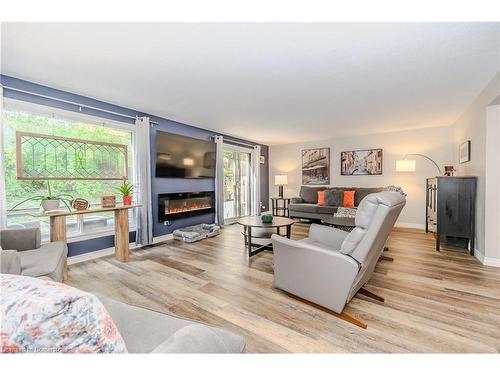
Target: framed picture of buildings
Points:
(361, 162)
(316, 166)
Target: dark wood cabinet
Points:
(451, 208)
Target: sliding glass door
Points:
(236, 183)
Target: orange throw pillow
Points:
(321, 198)
(349, 198)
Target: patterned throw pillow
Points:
(43, 316)
(345, 212)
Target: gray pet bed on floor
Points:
(196, 232)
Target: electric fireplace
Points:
(179, 205)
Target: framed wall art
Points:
(464, 152)
(361, 162)
(316, 166)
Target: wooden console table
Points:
(58, 227)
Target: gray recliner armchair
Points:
(23, 254)
(330, 266)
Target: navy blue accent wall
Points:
(158, 185)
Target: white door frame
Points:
(230, 147)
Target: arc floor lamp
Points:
(409, 165)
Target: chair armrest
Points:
(10, 262)
(322, 276)
(296, 200)
(21, 239)
(331, 237)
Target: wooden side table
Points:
(280, 210)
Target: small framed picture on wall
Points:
(464, 152)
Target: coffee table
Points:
(344, 223)
(254, 228)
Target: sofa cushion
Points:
(304, 207)
(198, 338)
(310, 194)
(363, 192)
(20, 238)
(46, 261)
(333, 197)
(147, 330)
(42, 316)
(330, 210)
(10, 262)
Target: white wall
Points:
(492, 186)
(472, 126)
(435, 142)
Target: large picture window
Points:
(20, 117)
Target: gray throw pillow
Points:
(334, 197)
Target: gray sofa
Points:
(148, 331)
(23, 254)
(306, 205)
(330, 266)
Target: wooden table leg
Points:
(121, 235)
(58, 233)
(57, 228)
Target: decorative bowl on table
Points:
(267, 219)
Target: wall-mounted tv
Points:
(178, 156)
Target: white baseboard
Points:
(401, 224)
(92, 255)
(163, 238)
(111, 250)
(487, 261)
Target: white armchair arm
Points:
(331, 237)
(318, 275)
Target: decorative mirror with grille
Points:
(47, 157)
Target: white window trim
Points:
(42, 110)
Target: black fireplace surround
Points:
(181, 205)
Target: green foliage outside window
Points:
(19, 190)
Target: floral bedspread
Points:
(42, 316)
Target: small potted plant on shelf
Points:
(49, 202)
(126, 190)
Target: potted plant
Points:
(49, 202)
(126, 190)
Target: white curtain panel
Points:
(255, 180)
(219, 180)
(3, 200)
(144, 221)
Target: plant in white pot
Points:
(49, 202)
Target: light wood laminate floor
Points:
(434, 302)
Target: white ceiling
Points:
(272, 83)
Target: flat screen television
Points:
(178, 156)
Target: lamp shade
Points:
(280, 180)
(405, 165)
